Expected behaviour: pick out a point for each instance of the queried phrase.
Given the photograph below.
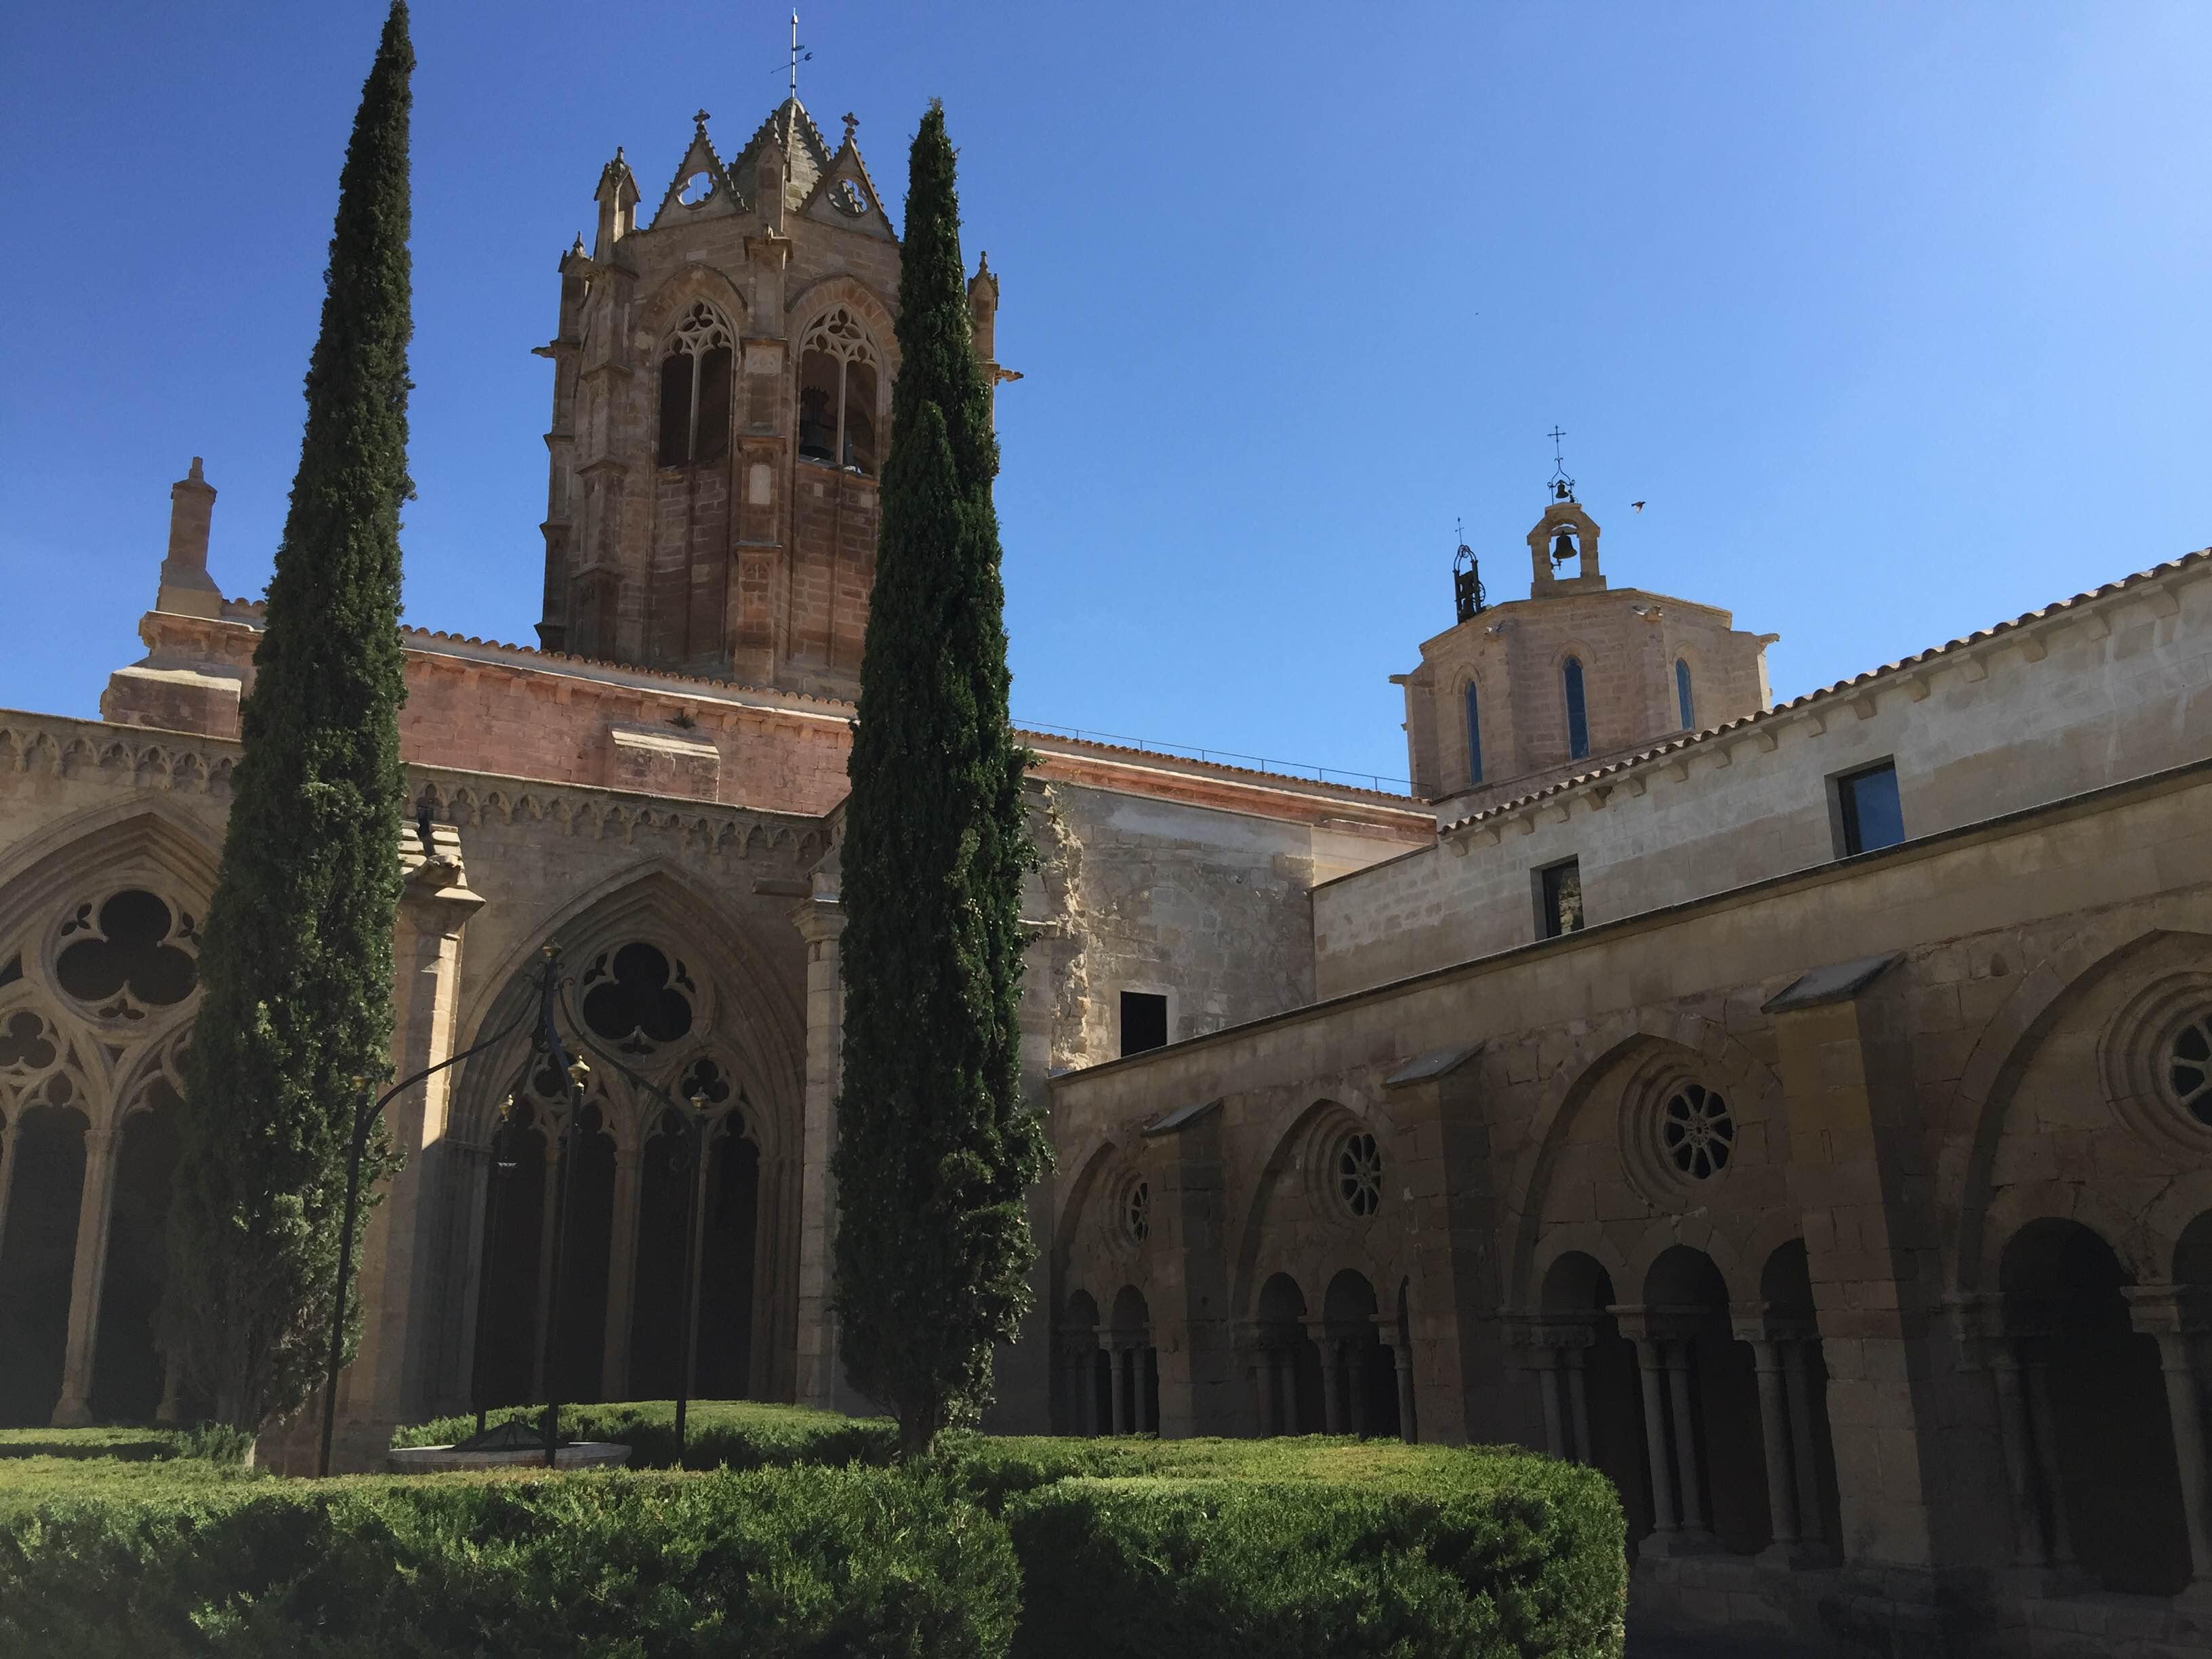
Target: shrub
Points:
(816, 1561)
(1283, 1547)
(1285, 1569)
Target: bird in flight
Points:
(1638, 505)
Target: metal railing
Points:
(1375, 781)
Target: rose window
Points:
(1698, 1132)
(2189, 1069)
(1359, 1174)
(129, 958)
(1137, 1211)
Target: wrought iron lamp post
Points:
(550, 1005)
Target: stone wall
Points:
(1928, 1059)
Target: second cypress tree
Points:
(297, 959)
(935, 1150)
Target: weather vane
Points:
(1562, 486)
(798, 55)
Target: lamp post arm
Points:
(364, 1118)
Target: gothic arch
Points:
(653, 895)
(133, 837)
(692, 283)
(1973, 1123)
(818, 299)
(1604, 1054)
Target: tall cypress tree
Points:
(297, 955)
(935, 1150)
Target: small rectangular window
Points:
(1560, 899)
(1474, 735)
(1144, 1021)
(1869, 815)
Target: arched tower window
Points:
(1571, 672)
(837, 396)
(1682, 698)
(695, 390)
(1474, 735)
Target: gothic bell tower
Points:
(721, 408)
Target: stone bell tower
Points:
(1517, 695)
(722, 409)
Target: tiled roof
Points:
(1692, 740)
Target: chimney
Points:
(186, 588)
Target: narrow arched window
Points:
(695, 390)
(1578, 719)
(1474, 736)
(1682, 699)
(837, 390)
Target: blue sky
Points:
(1896, 315)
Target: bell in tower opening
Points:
(1563, 547)
(1467, 596)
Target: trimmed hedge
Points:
(815, 1562)
(1135, 1569)
(1115, 1547)
(1284, 1547)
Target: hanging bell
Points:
(1563, 548)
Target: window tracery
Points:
(1137, 1211)
(1359, 1174)
(838, 387)
(1698, 1132)
(2188, 1068)
(127, 956)
(638, 997)
(694, 389)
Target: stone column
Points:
(1774, 1435)
(1332, 1381)
(1115, 1397)
(1811, 1513)
(1547, 1379)
(402, 1261)
(2189, 1448)
(1578, 1402)
(1648, 1365)
(2043, 1428)
(7, 1173)
(2165, 1315)
(701, 1168)
(820, 921)
(1282, 1393)
(1409, 1421)
(96, 1203)
(549, 1130)
(1686, 1434)
(622, 1275)
(2019, 1455)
